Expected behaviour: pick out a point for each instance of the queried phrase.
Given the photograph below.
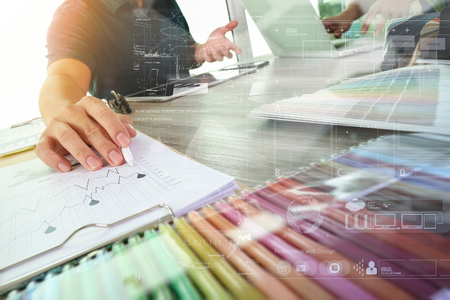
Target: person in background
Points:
(385, 9)
(100, 45)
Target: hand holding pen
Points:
(89, 122)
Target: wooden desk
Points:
(214, 129)
(17, 158)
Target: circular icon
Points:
(139, 279)
(284, 268)
(303, 215)
(301, 267)
(305, 267)
(334, 268)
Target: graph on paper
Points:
(61, 207)
(41, 208)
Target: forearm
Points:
(199, 57)
(56, 92)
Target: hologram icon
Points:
(371, 270)
(284, 268)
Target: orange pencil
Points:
(300, 284)
(377, 286)
(266, 283)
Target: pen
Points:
(128, 156)
(119, 103)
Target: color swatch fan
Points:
(408, 99)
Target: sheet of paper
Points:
(40, 207)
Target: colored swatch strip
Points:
(410, 99)
(291, 239)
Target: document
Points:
(40, 207)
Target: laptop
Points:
(179, 87)
(292, 28)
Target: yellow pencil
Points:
(230, 278)
(208, 285)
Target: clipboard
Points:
(165, 214)
(167, 217)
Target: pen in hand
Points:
(128, 156)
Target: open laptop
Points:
(292, 28)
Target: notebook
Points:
(41, 208)
(407, 99)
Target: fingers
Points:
(330, 24)
(215, 54)
(226, 52)
(234, 47)
(379, 27)
(64, 134)
(232, 25)
(128, 122)
(45, 150)
(89, 122)
(206, 54)
(95, 135)
(373, 12)
(222, 30)
(108, 120)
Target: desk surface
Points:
(214, 129)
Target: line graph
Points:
(55, 209)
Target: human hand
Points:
(89, 122)
(341, 23)
(217, 46)
(387, 9)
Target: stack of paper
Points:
(41, 207)
(408, 99)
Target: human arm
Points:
(76, 121)
(217, 46)
(386, 9)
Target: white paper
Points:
(41, 207)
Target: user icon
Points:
(371, 270)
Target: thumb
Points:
(232, 25)
(222, 30)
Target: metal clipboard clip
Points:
(118, 103)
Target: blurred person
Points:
(385, 9)
(100, 45)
